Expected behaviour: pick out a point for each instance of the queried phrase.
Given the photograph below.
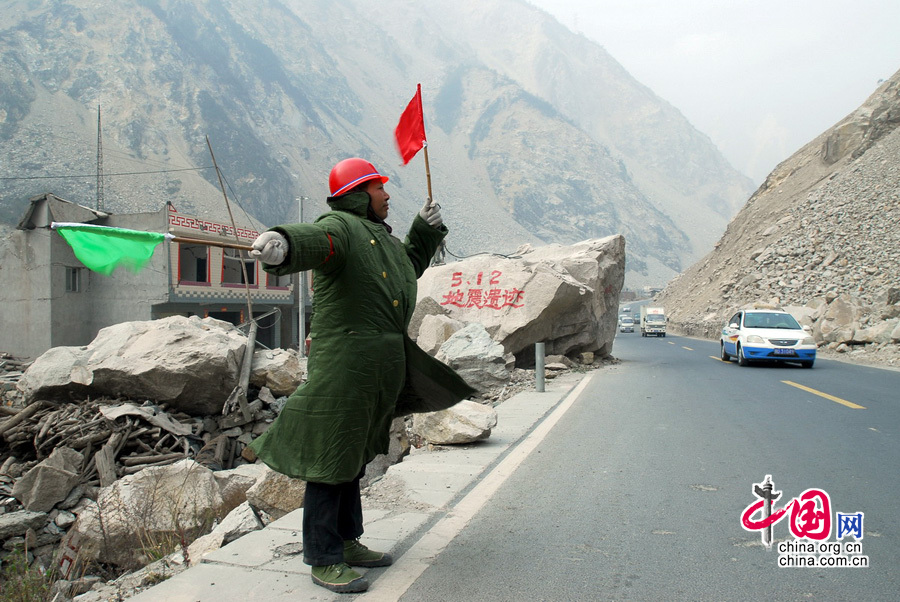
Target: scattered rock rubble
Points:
(64, 464)
(58, 460)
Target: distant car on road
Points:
(626, 310)
(766, 334)
(626, 324)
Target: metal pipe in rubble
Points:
(539, 367)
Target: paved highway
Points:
(637, 492)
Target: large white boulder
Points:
(234, 483)
(50, 481)
(880, 332)
(466, 422)
(476, 357)
(279, 370)
(435, 330)
(137, 517)
(839, 321)
(564, 296)
(189, 363)
(276, 494)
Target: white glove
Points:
(270, 247)
(431, 213)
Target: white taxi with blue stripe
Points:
(766, 334)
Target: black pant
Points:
(332, 514)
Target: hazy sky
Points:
(761, 78)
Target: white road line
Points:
(409, 567)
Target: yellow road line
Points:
(688, 348)
(718, 359)
(849, 404)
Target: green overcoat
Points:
(363, 369)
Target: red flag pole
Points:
(210, 243)
(428, 173)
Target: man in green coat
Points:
(363, 369)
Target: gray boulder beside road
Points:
(565, 296)
(190, 363)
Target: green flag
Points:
(103, 249)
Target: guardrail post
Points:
(539, 367)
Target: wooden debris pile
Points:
(11, 370)
(115, 438)
(118, 437)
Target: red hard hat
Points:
(351, 172)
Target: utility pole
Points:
(99, 162)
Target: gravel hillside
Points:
(823, 227)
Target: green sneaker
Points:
(339, 578)
(356, 554)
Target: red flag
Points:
(410, 132)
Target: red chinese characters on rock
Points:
(485, 294)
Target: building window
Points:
(74, 280)
(193, 263)
(231, 268)
(283, 281)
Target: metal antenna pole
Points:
(233, 227)
(99, 162)
(238, 397)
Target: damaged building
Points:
(50, 299)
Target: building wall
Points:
(71, 316)
(25, 293)
(39, 313)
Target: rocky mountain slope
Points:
(821, 232)
(536, 134)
